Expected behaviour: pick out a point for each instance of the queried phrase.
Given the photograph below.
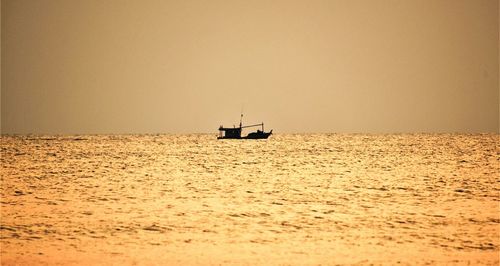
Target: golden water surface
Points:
(291, 199)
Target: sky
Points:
(340, 66)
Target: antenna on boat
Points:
(241, 117)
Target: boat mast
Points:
(241, 118)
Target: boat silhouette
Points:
(235, 132)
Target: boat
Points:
(235, 132)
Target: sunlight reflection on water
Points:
(294, 198)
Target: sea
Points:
(293, 199)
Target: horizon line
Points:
(2, 134)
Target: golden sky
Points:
(119, 66)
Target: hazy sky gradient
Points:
(93, 66)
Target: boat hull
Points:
(253, 135)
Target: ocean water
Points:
(291, 199)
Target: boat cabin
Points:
(229, 133)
